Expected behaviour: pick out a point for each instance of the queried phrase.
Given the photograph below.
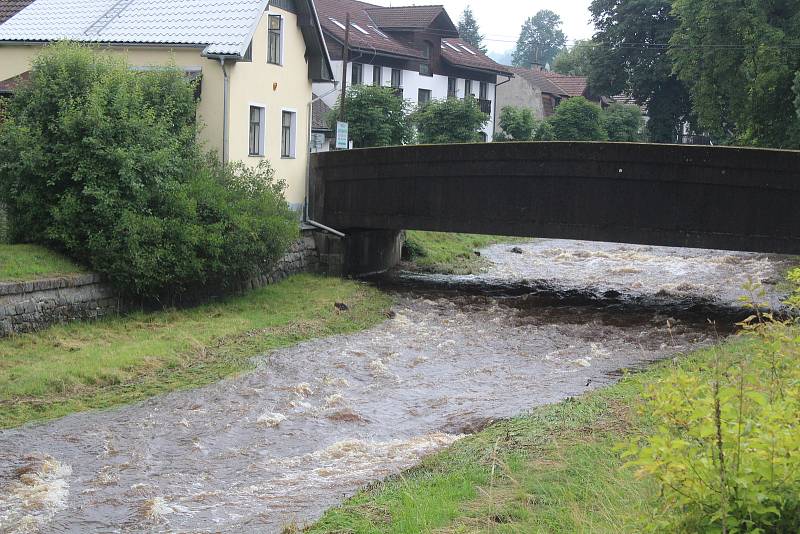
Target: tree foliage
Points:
(631, 57)
(623, 122)
(575, 61)
(577, 119)
(725, 450)
(518, 124)
(376, 117)
(739, 59)
(102, 163)
(469, 30)
(540, 40)
(450, 121)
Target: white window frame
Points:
(282, 38)
(292, 134)
(262, 130)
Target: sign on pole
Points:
(341, 135)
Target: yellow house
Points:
(257, 60)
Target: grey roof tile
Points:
(219, 26)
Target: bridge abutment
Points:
(360, 252)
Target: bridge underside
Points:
(686, 196)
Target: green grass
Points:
(450, 253)
(555, 470)
(29, 262)
(83, 366)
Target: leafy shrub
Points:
(577, 119)
(794, 298)
(726, 451)
(102, 163)
(544, 132)
(517, 123)
(449, 121)
(623, 123)
(376, 117)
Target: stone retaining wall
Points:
(31, 306)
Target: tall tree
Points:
(630, 56)
(739, 59)
(575, 61)
(469, 30)
(540, 40)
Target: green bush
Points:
(726, 448)
(102, 163)
(544, 132)
(518, 124)
(449, 121)
(577, 119)
(623, 123)
(376, 117)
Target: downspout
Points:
(494, 105)
(306, 218)
(226, 85)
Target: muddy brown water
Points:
(315, 422)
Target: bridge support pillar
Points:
(360, 252)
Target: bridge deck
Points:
(688, 196)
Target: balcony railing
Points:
(485, 105)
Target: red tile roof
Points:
(537, 78)
(333, 11)
(462, 54)
(573, 85)
(8, 86)
(379, 22)
(411, 17)
(9, 8)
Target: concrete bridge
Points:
(686, 196)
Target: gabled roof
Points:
(572, 85)
(9, 8)
(413, 18)
(219, 27)
(332, 15)
(537, 78)
(462, 54)
(372, 27)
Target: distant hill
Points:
(504, 58)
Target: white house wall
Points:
(411, 82)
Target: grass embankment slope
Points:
(119, 360)
(449, 253)
(20, 263)
(555, 470)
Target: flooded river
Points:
(315, 422)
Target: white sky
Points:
(501, 20)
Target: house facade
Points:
(414, 49)
(541, 90)
(256, 62)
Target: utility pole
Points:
(345, 59)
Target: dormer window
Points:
(427, 52)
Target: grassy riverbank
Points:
(28, 262)
(83, 366)
(445, 253)
(555, 470)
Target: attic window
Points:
(337, 23)
(468, 50)
(376, 30)
(451, 46)
(359, 28)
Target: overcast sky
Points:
(501, 20)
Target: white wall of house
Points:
(411, 82)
